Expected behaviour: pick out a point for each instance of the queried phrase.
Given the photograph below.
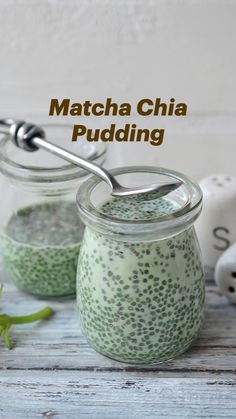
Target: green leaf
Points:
(7, 321)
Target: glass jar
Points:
(41, 230)
(140, 284)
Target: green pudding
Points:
(140, 301)
(40, 246)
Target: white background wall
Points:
(129, 49)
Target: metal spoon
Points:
(31, 137)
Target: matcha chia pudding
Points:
(140, 285)
(40, 245)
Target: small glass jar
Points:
(140, 283)
(41, 230)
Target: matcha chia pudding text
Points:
(41, 246)
(140, 285)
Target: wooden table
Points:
(53, 372)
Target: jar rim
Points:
(40, 174)
(183, 216)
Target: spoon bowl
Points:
(157, 190)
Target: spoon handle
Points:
(73, 158)
(30, 137)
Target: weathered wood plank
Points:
(53, 372)
(127, 395)
(59, 343)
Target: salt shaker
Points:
(225, 273)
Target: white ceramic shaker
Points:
(225, 273)
(216, 226)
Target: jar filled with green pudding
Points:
(41, 230)
(140, 283)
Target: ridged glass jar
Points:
(140, 284)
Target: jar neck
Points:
(50, 189)
(138, 234)
(188, 197)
